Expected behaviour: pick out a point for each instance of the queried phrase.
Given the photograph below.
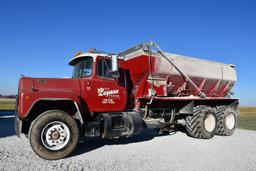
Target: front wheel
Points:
(54, 135)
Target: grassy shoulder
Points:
(246, 119)
(7, 104)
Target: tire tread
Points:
(194, 124)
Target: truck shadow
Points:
(90, 144)
(6, 127)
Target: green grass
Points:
(7, 104)
(246, 119)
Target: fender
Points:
(23, 127)
(29, 100)
(77, 115)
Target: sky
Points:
(38, 38)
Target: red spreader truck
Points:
(114, 95)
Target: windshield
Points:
(83, 68)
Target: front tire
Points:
(202, 123)
(54, 135)
(226, 121)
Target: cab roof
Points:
(81, 56)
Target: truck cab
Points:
(103, 87)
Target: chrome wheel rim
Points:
(55, 135)
(209, 123)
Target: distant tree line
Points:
(8, 96)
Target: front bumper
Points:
(17, 125)
(17, 121)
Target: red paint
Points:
(122, 93)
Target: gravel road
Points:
(146, 151)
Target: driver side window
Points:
(104, 68)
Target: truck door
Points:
(83, 71)
(109, 94)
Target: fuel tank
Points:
(150, 74)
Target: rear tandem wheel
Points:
(202, 123)
(226, 121)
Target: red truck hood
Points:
(49, 84)
(32, 90)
